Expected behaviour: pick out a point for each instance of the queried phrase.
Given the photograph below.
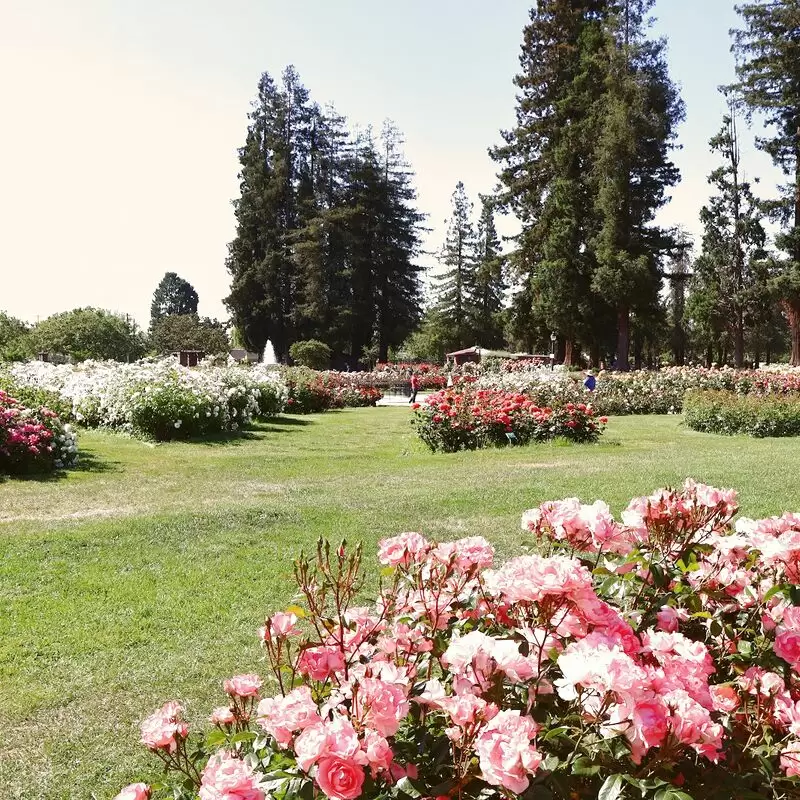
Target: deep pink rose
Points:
(787, 645)
(339, 779)
(320, 662)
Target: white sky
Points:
(121, 120)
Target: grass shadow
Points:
(87, 462)
(253, 433)
(287, 421)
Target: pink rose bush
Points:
(33, 439)
(655, 655)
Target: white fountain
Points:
(268, 356)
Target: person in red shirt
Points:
(414, 387)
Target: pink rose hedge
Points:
(655, 655)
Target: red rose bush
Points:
(466, 419)
(656, 655)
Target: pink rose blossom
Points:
(505, 753)
(669, 618)
(136, 791)
(381, 705)
(279, 626)
(402, 549)
(282, 716)
(533, 578)
(310, 745)
(378, 752)
(226, 777)
(163, 729)
(790, 759)
(724, 698)
(222, 716)
(787, 645)
(472, 552)
(319, 663)
(243, 686)
(339, 779)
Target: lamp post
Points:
(553, 339)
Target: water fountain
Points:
(268, 356)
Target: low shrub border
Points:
(755, 415)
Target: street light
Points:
(553, 339)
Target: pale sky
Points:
(121, 120)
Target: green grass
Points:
(143, 575)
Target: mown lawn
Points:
(143, 575)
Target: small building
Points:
(239, 354)
(53, 358)
(475, 354)
(189, 358)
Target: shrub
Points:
(158, 399)
(36, 397)
(657, 657)
(358, 396)
(311, 353)
(755, 415)
(33, 440)
(308, 392)
(465, 419)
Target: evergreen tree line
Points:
(327, 231)
(589, 164)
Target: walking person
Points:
(591, 382)
(414, 387)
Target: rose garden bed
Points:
(657, 656)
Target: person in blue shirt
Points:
(591, 382)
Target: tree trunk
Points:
(623, 338)
(738, 341)
(595, 356)
(568, 351)
(709, 356)
(792, 309)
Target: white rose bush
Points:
(159, 399)
(652, 656)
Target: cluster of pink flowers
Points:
(663, 646)
(21, 434)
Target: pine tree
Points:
(255, 256)
(767, 49)
(457, 284)
(677, 279)
(639, 112)
(173, 295)
(732, 264)
(486, 289)
(545, 163)
(399, 237)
